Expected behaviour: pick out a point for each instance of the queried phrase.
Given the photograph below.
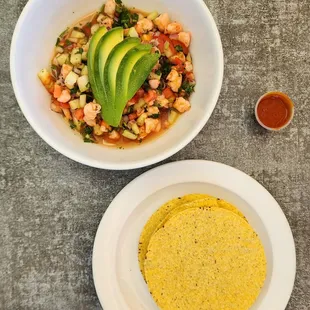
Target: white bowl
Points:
(33, 41)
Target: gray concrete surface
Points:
(51, 206)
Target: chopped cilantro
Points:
(158, 72)
(188, 88)
(179, 48)
(80, 51)
(119, 2)
(57, 41)
(88, 130)
(166, 68)
(155, 116)
(74, 90)
(72, 125)
(87, 140)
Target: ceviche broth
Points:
(156, 104)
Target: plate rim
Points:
(100, 235)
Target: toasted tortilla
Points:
(205, 258)
(169, 209)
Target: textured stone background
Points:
(51, 206)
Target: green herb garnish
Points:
(88, 130)
(80, 51)
(87, 140)
(72, 125)
(74, 90)
(57, 41)
(155, 116)
(188, 88)
(179, 48)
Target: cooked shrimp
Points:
(174, 28)
(175, 80)
(47, 80)
(67, 113)
(104, 126)
(55, 108)
(162, 101)
(109, 8)
(144, 25)
(152, 111)
(188, 66)
(65, 70)
(105, 21)
(114, 135)
(154, 83)
(185, 38)
(182, 105)
(150, 125)
(90, 112)
(65, 96)
(162, 21)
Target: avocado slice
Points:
(91, 60)
(104, 48)
(123, 79)
(140, 72)
(112, 64)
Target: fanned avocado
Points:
(113, 63)
(104, 48)
(140, 72)
(91, 60)
(123, 83)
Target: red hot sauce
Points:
(275, 110)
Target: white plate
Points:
(117, 277)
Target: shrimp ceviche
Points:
(121, 75)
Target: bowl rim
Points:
(119, 165)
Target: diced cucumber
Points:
(84, 70)
(73, 40)
(172, 116)
(77, 123)
(71, 79)
(82, 100)
(153, 15)
(133, 33)
(135, 128)
(94, 28)
(77, 34)
(139, 105)
(83, 83)
(84, 56)
(62, 58)
(141, 119)
(74, 104)
(129, 135)
(76, 58)
(59, 49)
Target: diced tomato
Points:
(134, 99)
(140, 93)
(184, 47)
(132, 116)
(150, 96)
(94, 20)
(78, 114)
(64, 105)
(168, 93)
(162, 39)
(190, 76)
(57, 91)
(176, 61)
(87, 29)
(180, 68)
